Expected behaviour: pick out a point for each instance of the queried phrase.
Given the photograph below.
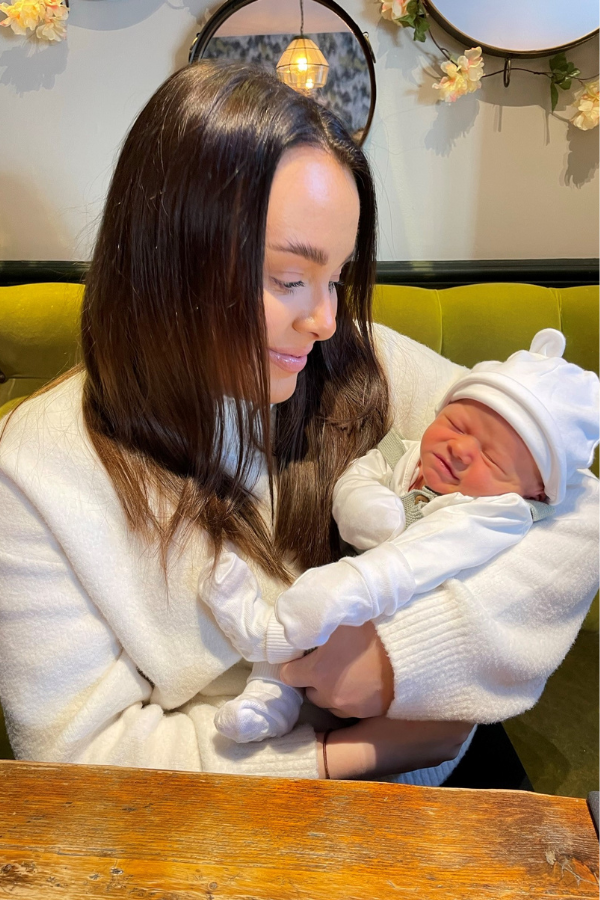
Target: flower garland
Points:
(463, 74)
(586, 116)
(46, 19)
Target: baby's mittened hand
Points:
(319, 601)
(266, 708)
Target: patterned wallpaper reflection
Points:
(348, 90)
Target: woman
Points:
(233, 271)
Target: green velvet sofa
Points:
(39, 332)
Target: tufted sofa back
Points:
(39, 325)
(39, 337)
(490, 321)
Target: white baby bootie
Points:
(266, 708)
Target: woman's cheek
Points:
(275, 319)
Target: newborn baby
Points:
(506, 440)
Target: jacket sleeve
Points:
(481, 647)
(70, 691)
(457, 533)
(461, 533)
(365, 507)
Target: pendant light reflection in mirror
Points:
(302, 65)
(312, 45)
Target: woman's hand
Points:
(351, 674)
(380, 746)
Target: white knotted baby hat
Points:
(551, 403)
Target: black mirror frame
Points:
(231, 6)
(454, 32)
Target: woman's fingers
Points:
(313, 696)
(351, 674)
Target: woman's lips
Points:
(287, 361)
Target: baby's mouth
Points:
(447, 467)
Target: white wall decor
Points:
(510, 31)
(492, 176)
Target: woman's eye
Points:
(335, 284)
(287, 286)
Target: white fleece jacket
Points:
(103, 661)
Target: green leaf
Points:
(421, 26)
(553, 96)
(558, 63)
(407, 21)
(575, 72)
(562, 81)
(412, 8)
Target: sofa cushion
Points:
(39, 337)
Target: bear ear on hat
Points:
(549, 343)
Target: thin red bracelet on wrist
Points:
(324, 746)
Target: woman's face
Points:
(312, 222)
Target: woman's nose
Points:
(319, 320)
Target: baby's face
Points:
(471, 449)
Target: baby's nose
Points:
(464, 448)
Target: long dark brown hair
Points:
(173, 328)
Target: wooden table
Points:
(80, 832)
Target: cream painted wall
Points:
(490, 177)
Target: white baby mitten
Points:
(266, 708)
(351, 591)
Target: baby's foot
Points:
(265, 709)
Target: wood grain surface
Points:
(91, 831)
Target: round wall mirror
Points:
(260, 31)
(514, 28)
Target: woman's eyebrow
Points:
(307, 251)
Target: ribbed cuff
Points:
(277, 648)
(428, 642)
(263, 671)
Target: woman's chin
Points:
(283, 388)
